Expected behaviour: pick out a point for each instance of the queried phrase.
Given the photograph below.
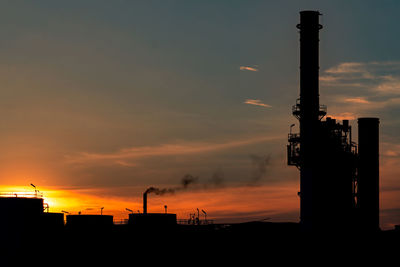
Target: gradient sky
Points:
(101, 99)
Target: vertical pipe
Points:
(368, 170)
(309, 112)
(145, 202)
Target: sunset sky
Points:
(100, 100)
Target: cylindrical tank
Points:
(52, 221)
(90, 222)
(18, 217)
(21, 206)
(368, 173)
(152, 220)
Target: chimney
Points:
(309, 114)
(309, 64)
(368, 173)
(145, 202)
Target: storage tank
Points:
(19, 217)
(89, 221)
(20, 211)
(152, 220)
(20, 206)
(52, 221)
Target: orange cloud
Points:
(328, 79)
(248, 68)
(390, 85)
(347, 67)
(256, 102)
(391, 153)
(344, 116)
(120, 156)
(357, 100)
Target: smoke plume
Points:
(260, 166)
(218, 178)
(158, 191)
(186, 181)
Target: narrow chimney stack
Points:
(309, 114)
(368, 171)
(145, 202)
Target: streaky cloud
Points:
(378, 77)
(364, 86)
(344, 116)
(256, 102)
(347, 67)
(127, 155)
(357, 100)
(244, 68)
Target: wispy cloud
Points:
(390, 149)
(347, 67)
(127, 156)
(343, 116)
(363, 86)
(252, 68)
(377, 77)
(357, 100)
(256, 102)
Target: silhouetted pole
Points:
(36, 191)
(205, 216)
(131, 211)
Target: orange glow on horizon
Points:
(224, 204)
(278, 202)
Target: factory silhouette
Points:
(339, 189)
(339, 181)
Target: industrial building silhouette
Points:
(339, 187)
(339, 181)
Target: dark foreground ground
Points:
(257, 242)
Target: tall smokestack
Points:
(368, 173)
(145, 202)
(309, 65)
(309, 112)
